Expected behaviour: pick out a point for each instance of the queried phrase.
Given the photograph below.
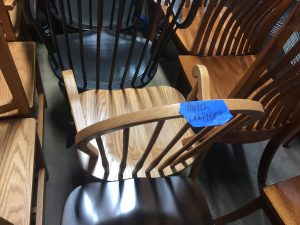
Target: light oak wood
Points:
(228, 27)
(252, 77)
(224, 71)
(284, 198)
(17, 153)
(40, 196)
(18, 74)
(149, 117)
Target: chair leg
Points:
(241, 212)
(198, 164)
(39, 84)
(266, 159)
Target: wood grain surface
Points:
(23, 55)
(153, 118)
(229, 27)
(285, 200)
(17, 153)
(100, 105)
(224, 71)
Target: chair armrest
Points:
(201, 90)
(74, 99)
(252, 108)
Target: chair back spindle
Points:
(108, 44)
(154, 157)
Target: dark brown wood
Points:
(5, 23)
(152, 201)
(241, 212)
(125, 152)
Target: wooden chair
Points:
(19, 75)
(113, 57)
(229, 27)
(280, 201)
(102, 110)
(23, 173)
(167, 200)
(272, 80)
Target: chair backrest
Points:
(122, 51)
(12, 92)
(235, 27)
(124, 156)
(273, 79)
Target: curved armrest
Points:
(74, 99)
(202, 88)
(252, 108)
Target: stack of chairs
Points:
(137, 138)
(22, 104)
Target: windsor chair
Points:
(273, 80)
(144, 200)
(224, 27)
(125, 55)
(90, 107)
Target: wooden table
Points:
(17, 159)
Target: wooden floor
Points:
(226, 178)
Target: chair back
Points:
(274, 79)
(234, 27)
(117, 45)
(13, 96)
(140, 144)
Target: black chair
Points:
(112, 51)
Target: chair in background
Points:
(272, 80)
(280, 201)
(101, 57)
(89, 13)
(19, 75)
(122, 140)
(23, 173)
(224, 27)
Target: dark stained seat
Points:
(142, 201)
(106, 51)
(124, 53)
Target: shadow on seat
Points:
(168, 200)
